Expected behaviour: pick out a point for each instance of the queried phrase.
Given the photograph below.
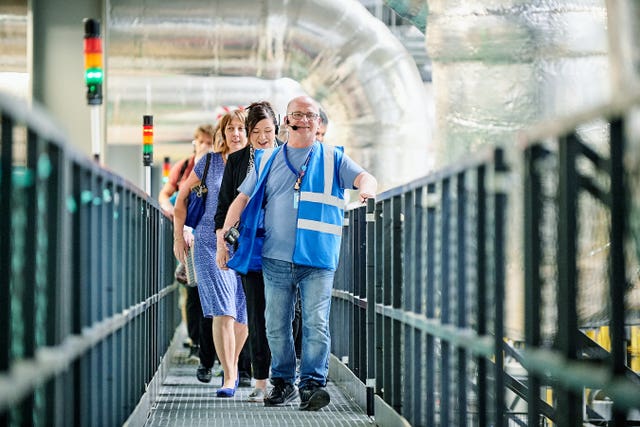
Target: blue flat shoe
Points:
(237, 380)
(225, 392)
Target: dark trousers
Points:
(258, 345)
(194, 313)
(244, 362)
(202, 328)
(207, 350)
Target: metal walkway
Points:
(184, 401)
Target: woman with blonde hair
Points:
(221, 293)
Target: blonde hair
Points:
(222, 147)
(205, 129)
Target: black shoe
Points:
(203, 374)
(281, 393)
(313, 397)
(245, 380)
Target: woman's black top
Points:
(234, 173)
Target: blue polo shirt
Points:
(280, 213)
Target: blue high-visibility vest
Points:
(320, 213)
(320, 210)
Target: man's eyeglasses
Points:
(297, 115)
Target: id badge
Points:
(296, 199)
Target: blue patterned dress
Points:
(220, 291)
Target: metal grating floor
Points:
(184, 401)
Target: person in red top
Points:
(203, 137)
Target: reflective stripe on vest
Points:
(322, 227)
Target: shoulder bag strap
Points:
(182, 169)
(206, 169)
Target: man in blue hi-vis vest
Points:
(291, 208)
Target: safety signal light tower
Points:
(93, 77)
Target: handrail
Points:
(386, 280)
(89, 299)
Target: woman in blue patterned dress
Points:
(220, 291)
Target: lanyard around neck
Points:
(299, 174)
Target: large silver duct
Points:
(501, 65)
(340, 54)
(624, 42)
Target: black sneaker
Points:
(203, 374)
(281, 393)
(313, 397)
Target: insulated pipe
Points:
(340, 54)
(502, 65)
(624, 43)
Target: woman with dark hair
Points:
(221, 294)
(262, 127)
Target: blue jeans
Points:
(281, 281)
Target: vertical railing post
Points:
(92, 375)
(6, 185)
(482, 302)
(461, 285)
(569, 405)
(352, 310)
(445, 307)
(532, 264)
(410, 352)
(371, 305)
(118, 275)
(54, 285)
(78, 291)
(108, 307)
(361, 284)
(500, 186)
(432, 203)
(387, 264)
(29, 194)
(617, 273)
(346, 310)
(379, 296)
(418, 306)
(397, 289)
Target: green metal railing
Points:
(419, 307)
(582, 174)
(88, 301)
(421, 289)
